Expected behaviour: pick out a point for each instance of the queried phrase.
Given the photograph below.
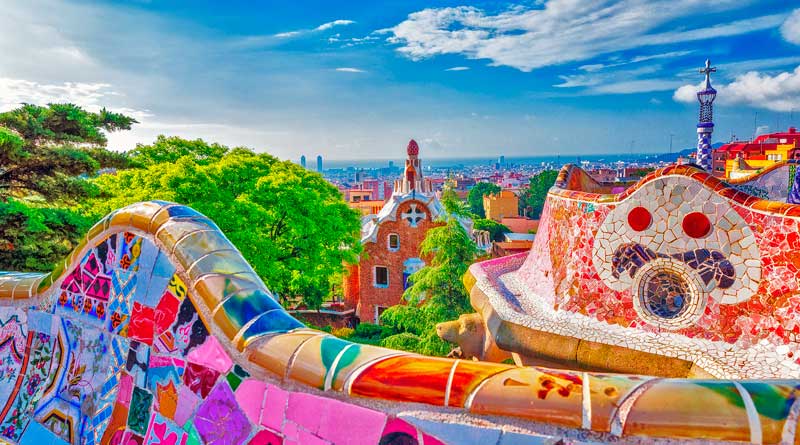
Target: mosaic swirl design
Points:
(729, 308)
(156, 331)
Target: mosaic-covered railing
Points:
(156, 331)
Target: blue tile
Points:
(36, 434)
(456, 433)
(159, 280)
(40, 322)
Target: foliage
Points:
(369, 330)
(343, 332)
(452, 203)
(63, 123)
(170, 149)
(495, 229)
(436, 293)
(476, 194)
(291, 225)
(45, 150)
(36, 238)
(405, 341)
(44, 154)
(532, 199)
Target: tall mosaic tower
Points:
(705, 126)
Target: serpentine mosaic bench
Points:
(156, 331)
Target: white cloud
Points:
(91, 96)
(562, 31)
(330, 25)
(596, 77)
(780, 92)
(288, 34)
(458, 68)
(655, 101)
(635, 86)
(350, 70)
(790, 30)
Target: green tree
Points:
(290, 224)
(532, 199)
(436, 293)
(36, 238)
(44, 154)
(170, 149)
(476, 194)
(45, 150)
(495, 229)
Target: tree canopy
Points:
(45, 155)
(476, 194)
(45, 150)
(170, 149)
(290, 224)
(62, 123)
(532, 198)
(495, 229)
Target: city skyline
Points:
(466, 79)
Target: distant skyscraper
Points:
(391, 165)
(319, 163)
(502, 160)
(705, 127)
(303, 161)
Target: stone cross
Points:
(413, 216)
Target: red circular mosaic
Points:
(639, 219)
(696, 225)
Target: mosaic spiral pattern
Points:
(156, 331)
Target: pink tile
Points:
(187, 401)
(290, 431)
(306, 410)
(249, 396)
(125, 389)
(212, 355)
(265, 437)
(399, 426)
(274, 408)
(307, 438)
(346, 424)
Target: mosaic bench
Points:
(156, 331)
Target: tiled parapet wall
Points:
(157, 331)
(680, 264)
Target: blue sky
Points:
(358, 79)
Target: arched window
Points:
(394, 242)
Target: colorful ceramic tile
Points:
(212, 355)
(219, 420)
(139, 412)
(250, 397)
(161, 431)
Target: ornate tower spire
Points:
(412, 180)
(705, 126)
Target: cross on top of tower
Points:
(707, 71)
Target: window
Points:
(394, 242)
(381, 276)
(378, 311)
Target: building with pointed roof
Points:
(392, 240)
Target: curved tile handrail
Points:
(570, 184)
(261, 337)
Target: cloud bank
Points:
(527, 38)
(780, 92)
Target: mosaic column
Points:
(705, 125)
(704, 131)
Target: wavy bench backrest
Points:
(156, 330)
